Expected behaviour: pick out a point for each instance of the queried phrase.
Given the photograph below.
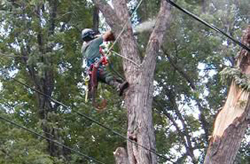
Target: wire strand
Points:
(92, 120)
(124, 27)
(208, 25)
(119, 35)
(44, 137)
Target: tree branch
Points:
(112, 19)
(96, 19)
(53, 14)
(120, 7)
(185, 132)
(156, 37)
(178, 69)
(204, 123)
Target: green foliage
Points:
(194, 54)
(191, 55)
(235, 74)
(18, 146)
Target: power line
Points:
(208, 25)
(44, 137)
(92, 120)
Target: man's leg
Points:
(109, 79)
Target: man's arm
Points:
(108, 36)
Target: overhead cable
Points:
(92, 120)
(54, 141)
(208, 25)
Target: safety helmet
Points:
(88, 34)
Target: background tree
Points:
(232, 121)
(187, 95)
(42, 38)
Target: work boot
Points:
(120, 87)
(123, 86)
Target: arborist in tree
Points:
(97, 61)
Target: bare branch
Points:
(186, 138)
(178, 69)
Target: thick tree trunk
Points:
(138, 99)
(233, 120)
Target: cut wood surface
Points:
(232, 121)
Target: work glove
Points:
(111, 36)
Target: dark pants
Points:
(104, 75)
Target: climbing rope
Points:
(119, 35)
(126, 58)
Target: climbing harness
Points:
(95, 69)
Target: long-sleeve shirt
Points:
(91, 50)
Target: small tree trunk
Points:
(96, 19)
(121, 156)
(232, 121)
(45, 83)
(204, 5)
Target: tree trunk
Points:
(204, 5)
(45, 82)
(95, 19)
(121, 156)
(139, 97)
(232, 121)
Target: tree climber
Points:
(96, 60)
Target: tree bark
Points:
(204, 5)
(121, 156)
(232, 121)
(95, 19)
(139, 97)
